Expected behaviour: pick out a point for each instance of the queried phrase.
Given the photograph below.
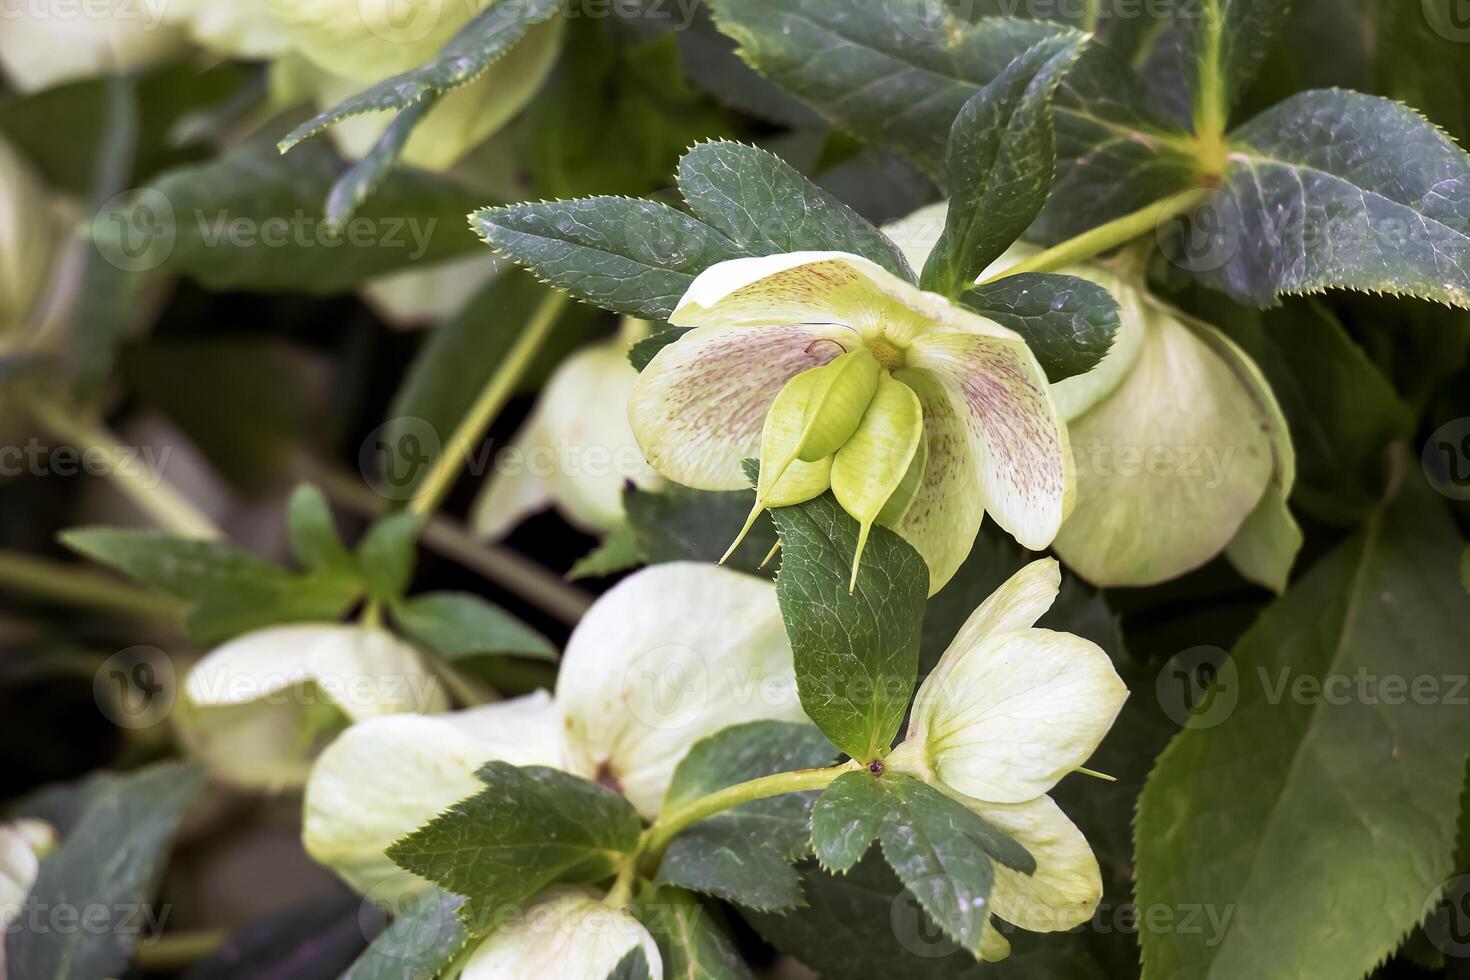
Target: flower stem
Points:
(492, 399)
(178, 950)
(73, 586)
(165, 505)
(1106, 237)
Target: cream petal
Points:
(1064, 891)
(994, 947)
(577, 450)
(1016, 712)
(234, 28)
(917, 234)
(566, 933)
(1016, 432)
(369, 39)
(415, 297)
(22, 845)
(44, 49)
(945, 515)
(671, 654)
(698, 407)
(1169, 465)
(384, 777)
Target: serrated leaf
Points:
(855, 654)
(112, 860)
(846, 819)
(253, 220)
(1069, 323)
(765, 206)
(457, 625)
(315, 543)
(647, 349)
(690, 942)
(1316, 765)
(675, 523)
(532, 827)
(744, 855)
(387, 554)
(1333, 189)
(418, 944)
(630, 256)
(364, 176)
(1001, 160)
(618, 552)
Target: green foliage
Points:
(856, 654)
(315, 543)
(1069, 323)
(647, 349)
(111, 859)
(690, 943)
(1334, 747)
(387, 553)
(419, 943)
(456, 625)
(633, 966)
(618, 552)
(679, 524)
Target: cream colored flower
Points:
(576, 451)
(23, 843)
(43, 45)
(234, 28)
(918, 413)
(30, 241)
(567, 934)
(1008, 711)
(258, 708)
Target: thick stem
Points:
(73, 586)
(1107, 237)
(492, 399)
(165, 505)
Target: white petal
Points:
(567, 934)
(1168, 466)
(1067, 885)
(384, 777)
(698, 407)
(671, 654)
(1017, 712)
(22, 844)
(110, 36)
(576, 451)
(1016, 432)
(235, 28)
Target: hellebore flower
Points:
(576, 451)
(567, 932)
(918, 414)
(1007, 712)
(234, 28)
(41, 47)
(641, 681)
(23, 843)
(258, 708)
(1180, 448)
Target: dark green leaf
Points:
(633, 966)
(363, 177)
(532, 827)
(1333, 189)
(647, 349)
(110, 861)
(856, 655)
(1001, 160)
(618, 552)
(458, 624)
(418, 944)
(1069, 323)
(252, 219)
(1421, 61)
(387, 553)
(846, 819)
(745, 854)
(679, 524)
(314, 540)
(629, 256)
(1335, 730)
(765, 206)
(691, 943)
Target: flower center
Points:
(889, 357)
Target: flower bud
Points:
(259, 707)
(567, 932)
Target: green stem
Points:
(178, 950)
(1107, 237)
(492, 399)
(73, 586)
(169, 509)
(1210, 99)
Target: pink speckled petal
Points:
(1017, 434)
(698, 408)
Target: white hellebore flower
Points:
(351, 44)
(670, 655)
(23, 843)
(233, 28)
(567, 934)
(1007, 712)
(919, 414)
(257, 708)
(46, 44)
(1181, 449)
(577, 450)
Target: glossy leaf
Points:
(1069, 323)
(457, 625)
